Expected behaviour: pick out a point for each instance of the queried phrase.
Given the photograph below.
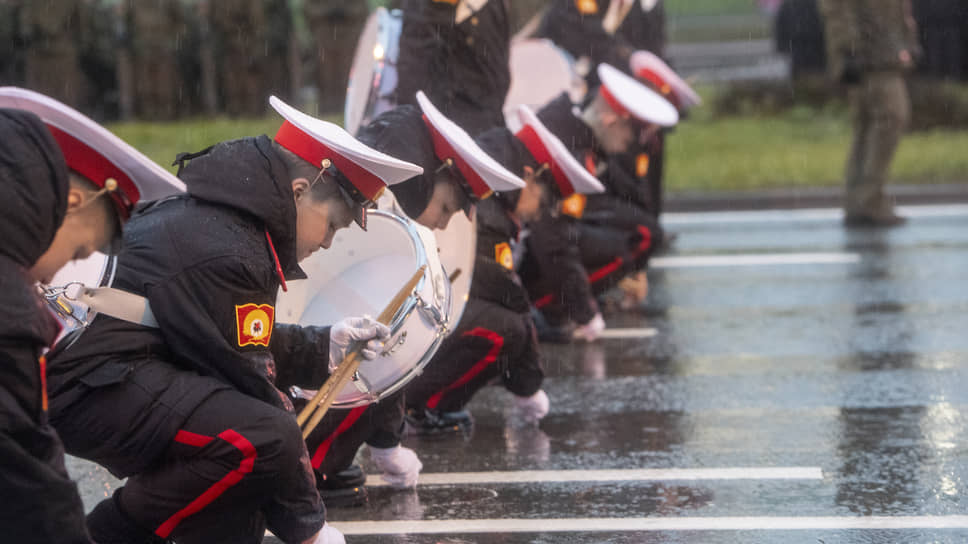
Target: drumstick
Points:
(324, 398)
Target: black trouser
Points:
(205, 463)
(334, 442)
(490, 342)
(40, 502)
(616, 239)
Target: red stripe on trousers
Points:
(497, 342)
(221, 486)
(344, 426)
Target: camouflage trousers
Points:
(880, 111)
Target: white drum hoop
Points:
(373, 76)
(340, 286)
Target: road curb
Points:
(808, 197)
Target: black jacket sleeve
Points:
(427, 35)
(201, 312)
(553, 243)
(495, 283)
(301, 355)
(582, 34)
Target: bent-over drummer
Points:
(496, 337)
(187, 407)
(457, 174)
(60, 200)
(617, 237)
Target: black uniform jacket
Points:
(576, 27)
(41, 501)
(207, 264)
(494, 277)
(462, 67)
(33, 201)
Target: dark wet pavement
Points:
(858, 368)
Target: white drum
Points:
(540, 71)
(373, 76)
(457, 246)
(359, 274)
(94, 271)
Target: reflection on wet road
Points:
(857, 368)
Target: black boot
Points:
(427, 422)
(109, 525)
(343, 489)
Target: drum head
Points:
(359, 274)
(457, 245)
(540, 71)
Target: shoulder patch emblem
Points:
(254, 324)
(642, 165)
(503, 256)
(574, 205)
(587, 7)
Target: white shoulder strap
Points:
(119, 304)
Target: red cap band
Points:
(660, 85)
(529, 137)
(444, 151)
(312, 150)
(86, 161)
(613, 102)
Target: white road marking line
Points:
(613, 334)
(805, 214)
(610, 525)
(753, 259)
(617, 475)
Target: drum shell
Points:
(371, 89)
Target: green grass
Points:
(163, 141)
(800, 148)
(709, 7)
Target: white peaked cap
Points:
(315, 140)
(649, 67)
(570, 176)
(95, 153)
(482, 173)
(628, 96)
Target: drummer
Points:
(56, 206)
(457, 175)
(616, 237)
(496, 336)
(185, 405)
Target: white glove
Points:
(590, 331)
(399, 465)
(530, 410)
(329, 535)
(356, 329)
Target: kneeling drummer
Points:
(185, 405)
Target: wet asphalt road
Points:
(856, 367)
